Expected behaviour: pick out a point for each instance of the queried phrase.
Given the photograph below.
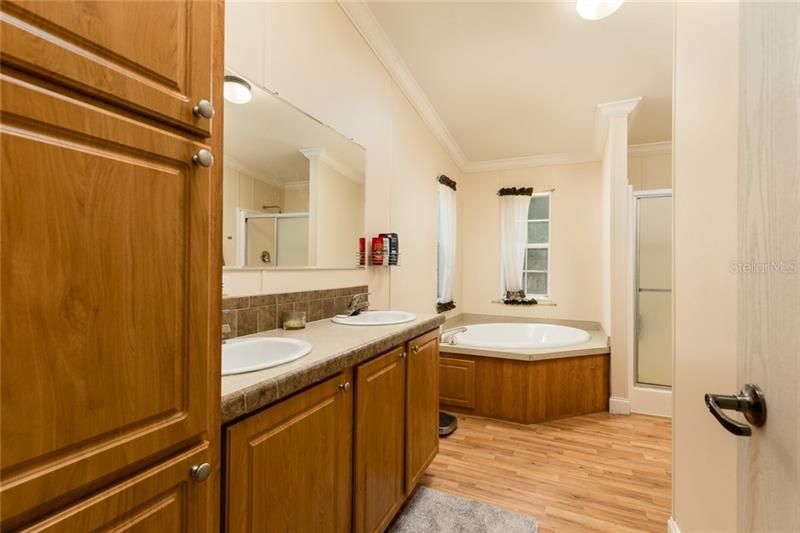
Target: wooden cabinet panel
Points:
(525, 391)
(108, 297)
(152, 57)
(161, 498)
(289, 467)
(380, 434)
(567, 387)
(457, 382)
(422, 406)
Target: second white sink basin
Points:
(375, 318)
(258, 353)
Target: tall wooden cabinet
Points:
(109, 265)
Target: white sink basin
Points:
(258, 353)
(375, 318)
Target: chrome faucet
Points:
(452, 332)
(358, 303)
(226, 328)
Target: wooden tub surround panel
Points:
(524, 391)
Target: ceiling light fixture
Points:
(237, 90)
(597, 9)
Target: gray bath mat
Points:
(432, 511)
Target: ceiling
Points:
(266, 136)
(518, 80)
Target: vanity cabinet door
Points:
(109, 289)
(422, 406)
(289, 467)
(152, 57)
(380, 435)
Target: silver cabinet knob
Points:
(203, 109)
(200, 472)
(203, 157)
(415, 349)
(403, 355)
(344, 387)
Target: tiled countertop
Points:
(335, 347)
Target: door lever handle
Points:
(749, 401)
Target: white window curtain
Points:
(447, 246)
(513, 241)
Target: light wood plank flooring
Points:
(598, 472)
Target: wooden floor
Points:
(598, 472)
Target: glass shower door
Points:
(653, 343)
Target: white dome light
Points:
(597, 9)
(237, 90)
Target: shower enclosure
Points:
(653, 291)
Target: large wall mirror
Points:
(293, 187)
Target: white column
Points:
(617, 261)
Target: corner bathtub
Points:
(519, 336)
(523, 372)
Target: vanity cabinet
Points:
(342, 455)
(153, 58)
(380, 436)
(289, 467)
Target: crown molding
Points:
(373, 33)
(620, 108)
(365, 22)
(650, 148)
(569, 158)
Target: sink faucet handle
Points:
(226, 328)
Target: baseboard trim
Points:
(619, 406)
(672, 527)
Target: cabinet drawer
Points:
(154, 58)
(106, 283)
(162, 498)
(457, 382)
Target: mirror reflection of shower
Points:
(272, 239)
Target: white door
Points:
(737, 246)
(768, 321)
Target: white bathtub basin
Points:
(518, 336)
(258, 353)
(375, 318)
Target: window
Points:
(536, 272)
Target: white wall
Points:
(705, 241)
(313, 56)
(576, 239)
(650, 169)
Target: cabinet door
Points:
(289, 467)
(151, 57)
(380, 421)
(422, 406)
(109, 284)
(159, 499)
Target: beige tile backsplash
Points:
(251, 314)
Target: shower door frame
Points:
(637, 196)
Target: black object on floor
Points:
(447, 424)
